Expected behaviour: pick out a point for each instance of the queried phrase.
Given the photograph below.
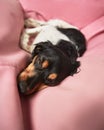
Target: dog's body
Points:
(44, 31)
(55, 46)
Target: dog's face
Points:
(49, 65)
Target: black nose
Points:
(22, 86)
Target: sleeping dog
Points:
(55, 46)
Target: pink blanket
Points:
(78, 102)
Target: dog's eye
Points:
(38, 62)
(41, 63)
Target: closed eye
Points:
(38, 60)
(38, 63)
(41, 63)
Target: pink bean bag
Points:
(78, 102)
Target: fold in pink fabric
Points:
(77, 103)
(12, 60)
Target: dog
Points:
(55, 46)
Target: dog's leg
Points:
(31, 31)
(30, 22)
(24, 42)
(25, 38)
(60, 23)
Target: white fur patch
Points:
(50, 33)
(45, 31)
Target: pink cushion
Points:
(79, 13)
(11, 26)
(77, 103)
(11, 56)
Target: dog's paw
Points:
(30, 22)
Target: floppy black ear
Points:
(69, 49)
(40, 47)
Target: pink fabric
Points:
(79, 13)
(11, 57)
(78, 102)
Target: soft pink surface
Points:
(80, 13)
(11, 57)
(78, 102)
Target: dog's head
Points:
(49, 65)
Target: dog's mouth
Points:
(29, 86)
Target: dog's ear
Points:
(40, 47)
(69, 49)
(74, 68)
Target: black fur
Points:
(62, 59)
(59, 62)
(76, 37)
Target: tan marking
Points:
(35, 89)
(28, 72)
(23, 76)
(45, 64)
(30, 68)
(41, 87)
(52, 76)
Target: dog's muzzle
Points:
(30, 85)
(29, 80)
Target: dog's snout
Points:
(22, 86)
(27, 88)
(28, 82)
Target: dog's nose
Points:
(28, 83)
(22, 86)
(28, 86)
(25, 89)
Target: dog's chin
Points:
(27, 90)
